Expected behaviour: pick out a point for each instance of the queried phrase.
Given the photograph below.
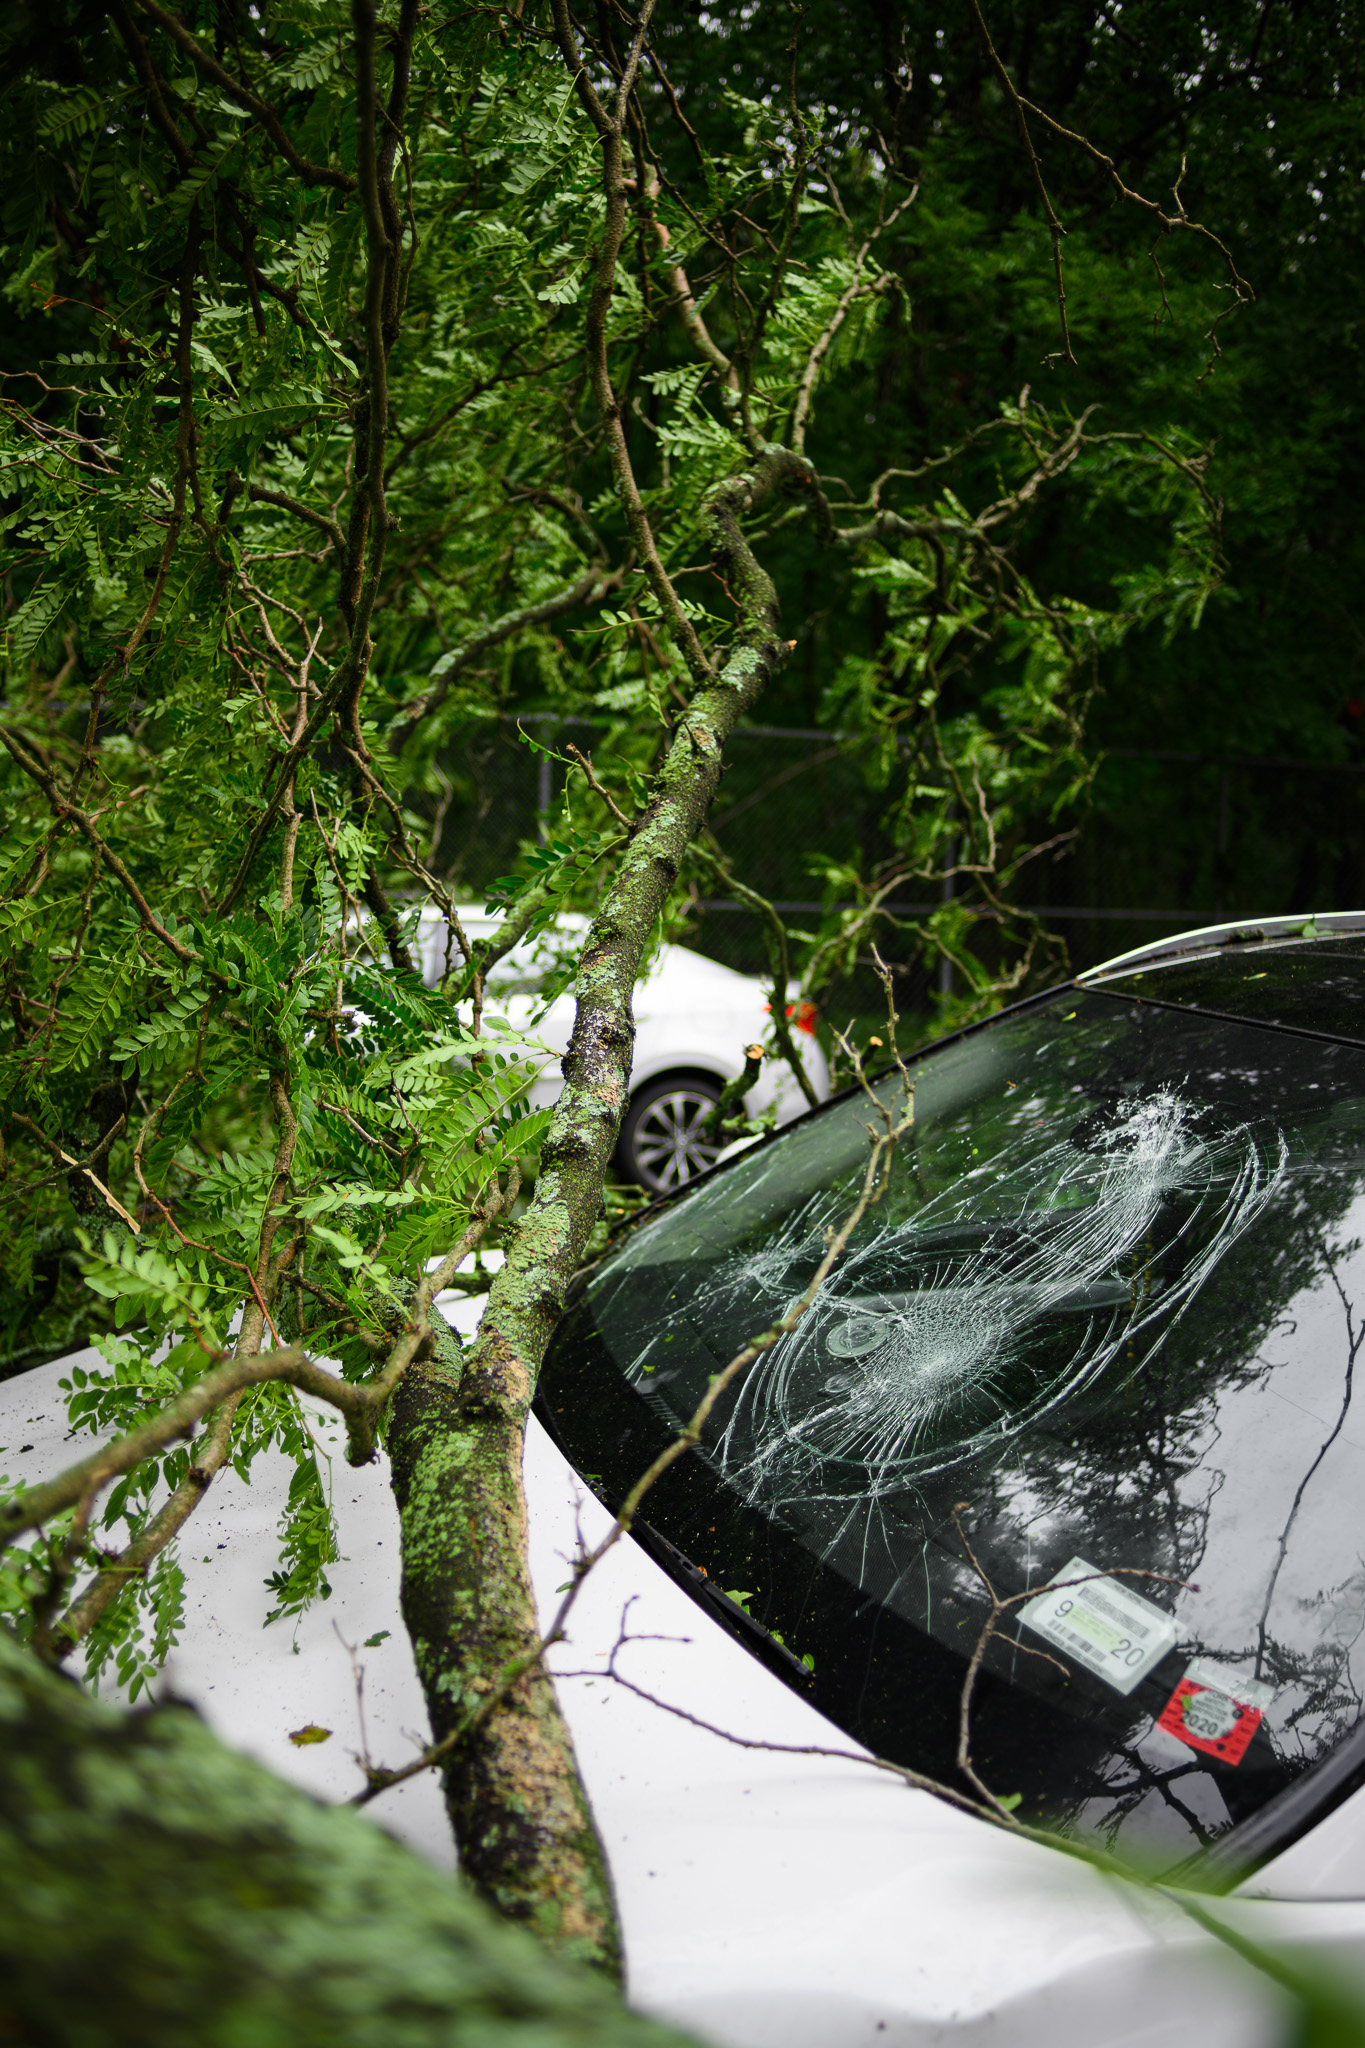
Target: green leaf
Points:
(310, 1733)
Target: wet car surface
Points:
(1109, 1309)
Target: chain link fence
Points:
(1171, 840)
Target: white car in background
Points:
(693, 1021)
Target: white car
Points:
(693, 1021)
(1114, 1303)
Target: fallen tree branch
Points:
(360, 1404)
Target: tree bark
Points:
(517, 1805)
(158, 1889)
(519, 1811)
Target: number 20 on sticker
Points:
(1098, 1623)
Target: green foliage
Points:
(1254, 112)
(257, 621)
(308, 1544)
(138, 1633)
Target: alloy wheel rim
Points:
(669, 1146)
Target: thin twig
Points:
(360, 1404)
(874, 1181)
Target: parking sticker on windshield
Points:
(1102, 1625)
(1216, 1709)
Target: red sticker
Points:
(1209, 1720)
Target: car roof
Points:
(674, 961)
(1212, 938)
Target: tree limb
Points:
(209, 67)
(587, 589)
(259, 495)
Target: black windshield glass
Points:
(1319, 986)
(1112, 1302)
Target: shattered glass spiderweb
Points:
(1115, 1234)
(994, 1302)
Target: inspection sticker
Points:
(1101, 1624)
(1216, 1709)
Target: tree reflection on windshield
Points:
(1112, 1300)
(997, 1300)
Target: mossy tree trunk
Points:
(158, 1889)
(517, 1804)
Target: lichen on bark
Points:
(517, 1804)
(158, 1889)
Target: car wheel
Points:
(662, 1142)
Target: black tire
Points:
(661, 1146)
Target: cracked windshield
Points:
(1107, 1309)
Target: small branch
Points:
(81, 1166)
(733, 1094)
(86, 825)
(589, 589)
(609, 129)
(688, 310)
(1054, 225)
(585, 764)
(284, 778)
(380, 1780)
(779, 966)
(115, 1573)
(1170, 222)
(999, 1609)
(1052, 465)
(28, 1510)
(859, 288)
(915, 1780)
(209, 67)
(361, 1405)
(258, 495)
